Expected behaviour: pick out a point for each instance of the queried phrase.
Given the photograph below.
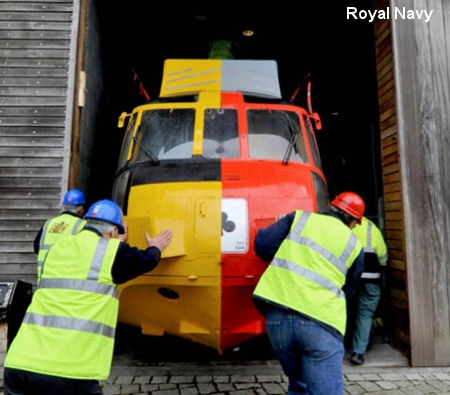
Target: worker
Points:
(65, 343)
(68, 222)
(315, 262)
(373, 280)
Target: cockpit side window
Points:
(126, 142)
(275, 134)
(220, 134)
(313, 144)
(165, 134)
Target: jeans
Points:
(367, 300)
(22, 382)
(311, 356)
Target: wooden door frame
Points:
(422, 79)
(75, 96)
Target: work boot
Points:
(356, 359)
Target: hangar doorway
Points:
(122, 50)
(128, 47)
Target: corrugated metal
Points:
(36, 62)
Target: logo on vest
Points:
(59, 227)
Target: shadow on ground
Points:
(138, 349)
(135, 349)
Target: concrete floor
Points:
(381, 354)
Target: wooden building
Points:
(37, 68)
(48, 112)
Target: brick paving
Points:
(266, 378)
(386, 372)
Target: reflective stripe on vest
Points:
(80, 285)
(42, 245)
(97, 261)
(368, 245)
(370, 275)
(69, 323)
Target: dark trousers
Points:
(21, 382)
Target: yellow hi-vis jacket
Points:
(53, 230)
(372, 239)
(68, 329)
(309, 269)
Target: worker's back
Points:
(309, 269)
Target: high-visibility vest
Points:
(69, 327)
(310, 267)
(54, 229)
(374, 248)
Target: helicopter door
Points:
(207, 220)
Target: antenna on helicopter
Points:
(306, 77)
(314, 115)
(142, 91)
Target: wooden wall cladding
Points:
(34, 61)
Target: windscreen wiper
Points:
(288, 152)
(153, 159)
(291, 144)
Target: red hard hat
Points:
(351, 203)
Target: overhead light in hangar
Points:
(248, 32)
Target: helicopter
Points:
(216, 157)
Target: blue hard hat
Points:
(74, 197)
(108, 211)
